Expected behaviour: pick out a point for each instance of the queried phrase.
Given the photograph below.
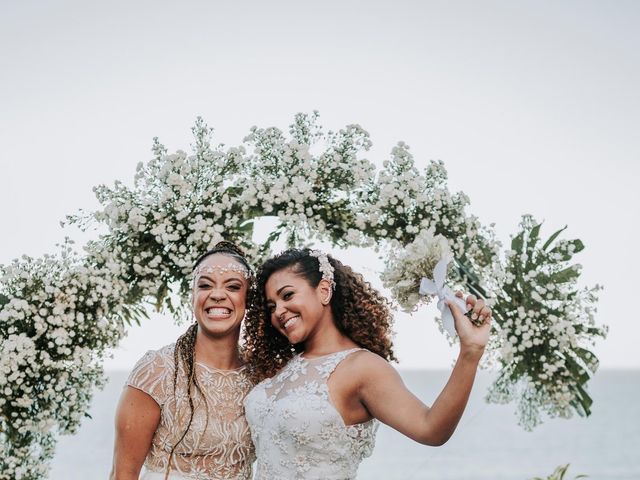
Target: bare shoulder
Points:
(368, 366)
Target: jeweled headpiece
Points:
(325, 267)
(229, 267)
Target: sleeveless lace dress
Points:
(218, 445)
(297, 431)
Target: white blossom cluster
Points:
(403, 202)
(26, 460)
(406, 265)
(179, 207)
(312, 195)
(58, 316)
(546, 325)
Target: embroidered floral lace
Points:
(297, 431)
(218, 444)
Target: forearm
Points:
(443, 417)
(126, 467)
(123, 475)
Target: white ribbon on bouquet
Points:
(444, 293)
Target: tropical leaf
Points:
(559, 474)
(552, 238)
(565, 275)
(517, 241)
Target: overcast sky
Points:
(533, 106)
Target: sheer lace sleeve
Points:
(153, 374)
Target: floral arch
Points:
(59, 314)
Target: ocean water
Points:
(488, 444)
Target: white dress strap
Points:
(330, 362)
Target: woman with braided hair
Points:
(320, 352)
(181, 412)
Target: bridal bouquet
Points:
(406, 266)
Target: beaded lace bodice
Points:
(297, 431)
(218, 443)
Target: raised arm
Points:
(386, 397)
(137, 419)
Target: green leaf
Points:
(465, 271)
(579, 246)
(553, 237)
(129, 318)
(516, 242)
(586, 401)
(169, 305)
(579, 373)
(564, 276)
(559, 474)
(533, 236)
(162, 292)
(587, 356)
(246, 227)
(595, 331)
(133, 314)
(273, 236)
(583, 402)
(565, 255)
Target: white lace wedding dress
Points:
(297, 432)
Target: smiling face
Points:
(219, 295)
(297, 309)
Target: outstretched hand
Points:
(474, 332)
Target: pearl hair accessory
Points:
(229, 267)
(325, 267)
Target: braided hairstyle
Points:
(184, 352)
(359, 311)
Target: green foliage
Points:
(559, 474)
(545, 320)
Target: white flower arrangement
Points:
(407, 265)
(59, 315)
(50, 352)
(546, 325)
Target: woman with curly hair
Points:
(320, 350)
(181, 413)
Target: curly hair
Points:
(185, 351)
(359, 311)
